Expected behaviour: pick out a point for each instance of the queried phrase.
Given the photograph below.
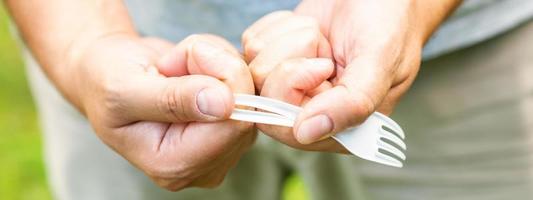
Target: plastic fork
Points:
(378, 139)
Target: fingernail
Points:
(313, 129)
(210, 102)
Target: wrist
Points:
(428, 15)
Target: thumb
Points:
(357, 94)
(178, 99)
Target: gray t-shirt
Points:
(473, 22)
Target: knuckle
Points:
(235, 66)
(307, 38)
(308, 21)
(171, 103)
(190, 40)
(311, 34)
(280, 13)
(291, 65)
(193, 38)
(253, 47)
(206, 37)
(248, 33)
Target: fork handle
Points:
(284, 114)
(260, 117)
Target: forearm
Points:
(432, 13)
(424, 16)
(57, 31)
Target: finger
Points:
(297, 44)
(321, 88)
(157, 44)
(174, 61)
(212, 60)
(305, 75)
(253, 45)
(359, 91)
(321, 10)
(231, 69)
(176, 99)
(217, 41)
(184, 98)
(157, 142)
(264, 23)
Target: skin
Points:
(375, 47)
(158, 105)
(170, 123)
(294, 73)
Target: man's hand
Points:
(172, 128)
(376, 47)
(283, 49)
(161, 107)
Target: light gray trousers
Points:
(468, 119)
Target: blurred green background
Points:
(21, 168)
(22, 174)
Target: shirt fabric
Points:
(473, 22)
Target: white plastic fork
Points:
(378, 139)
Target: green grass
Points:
(22, 174)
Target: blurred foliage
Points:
(294, 189)
(22, 174)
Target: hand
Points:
(283, 49)
(376, 47)
(174, 129)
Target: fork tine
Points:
(389, 123)
(393, 138)
(387, 160)
(386, 146)
(392, 131)
(397, 129)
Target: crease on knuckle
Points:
(170, 105)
